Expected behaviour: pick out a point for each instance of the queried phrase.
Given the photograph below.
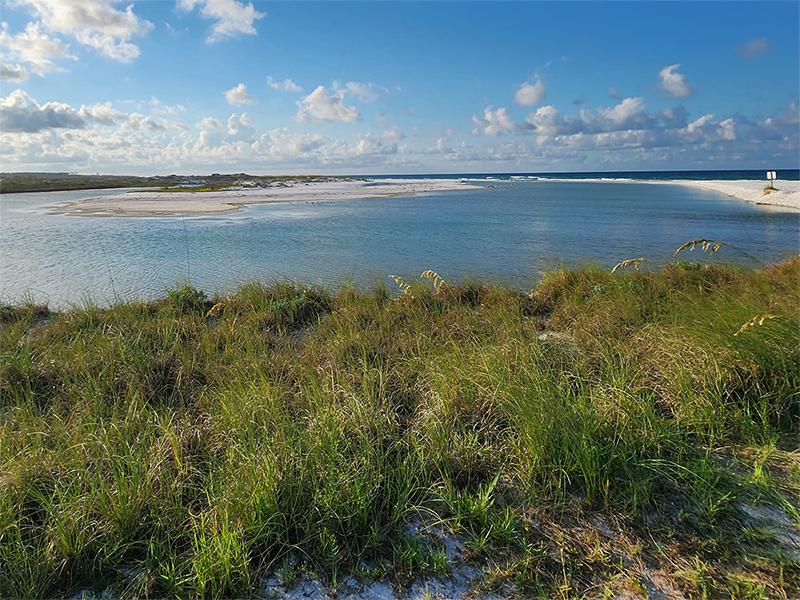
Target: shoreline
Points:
(156, 204)
(785, 195)
(176, 204)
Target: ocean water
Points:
(504, 234)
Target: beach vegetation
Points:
(586, 437)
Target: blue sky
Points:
(195, 86)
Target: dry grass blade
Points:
(757, 320)
(215, 310)
(705, 245)
(404, 287)
(631, 262)
(436, 279)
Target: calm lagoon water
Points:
(509, 235)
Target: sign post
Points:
(772, 176)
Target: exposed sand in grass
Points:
(786, 193)
(175, 204)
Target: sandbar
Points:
(177, 204)
(786, 194)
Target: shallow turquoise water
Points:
(505, 234)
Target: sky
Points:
(200, 86)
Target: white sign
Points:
(772, 175)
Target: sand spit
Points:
(785, 195)
(176, 204)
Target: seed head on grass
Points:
(438, 282)
(631, 262)
(405, 287)
(704, 243)
(758, 319)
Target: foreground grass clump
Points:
(586, 436)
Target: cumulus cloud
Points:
(102, 113)
(393, 134)
(93, 23)
(34, 48)
(629, 114)
(547, 121)
(240, 127)
(674, 84)
(105, 114)
(19, 113)
(15, 73)
(365, 92)
(494, 122)
(674, 117)
(530, 94)
(727, 130)
(209, 123)
(287, 85)
(238, 95)
(162, 109)
(232, 18)
(756, 47)
(320, 106)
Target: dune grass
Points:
(579, 437)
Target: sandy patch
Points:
(176, 204)
(786, 193)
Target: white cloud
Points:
(105, 114)
(102, 113)
(280, 143)
(365, 92)
(319, 106)
(19, 113)
(232, 18)
(494, 123)
(547, 121)
(162, 109)
(238, 95)
(93, 23)
(674, 117)
(15, 73)
(240, 128)
(674, 84)
(209, 123)
(757, 47)
(530, 94)
(628, 114)
(33, 48)
(727, 129)
(287, 85)
(393, 134)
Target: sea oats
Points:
(631, 262)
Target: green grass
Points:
(202, 443)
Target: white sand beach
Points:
(175, 204)
(785, 195)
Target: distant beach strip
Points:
(173, 204)
(786, 194)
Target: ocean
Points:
(505, 234)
